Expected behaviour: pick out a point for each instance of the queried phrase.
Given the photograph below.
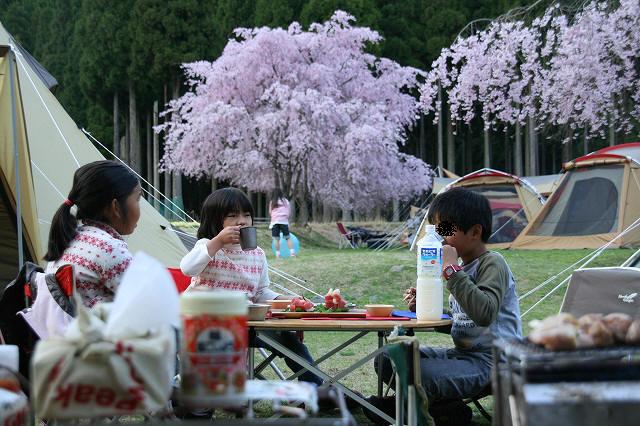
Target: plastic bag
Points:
(115, 359)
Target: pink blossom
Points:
(309, 111)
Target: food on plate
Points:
(333, 301)
(379, 310)
(562, 336)
(633, 333)
(300, 305)
(565, 332)
(279, 303)
(618, 324)
(596, 334)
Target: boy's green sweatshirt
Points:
(483, 303)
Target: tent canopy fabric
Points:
(51, 148)
(596, 199)
(514, 202)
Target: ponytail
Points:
(95, 186)
(62, 231)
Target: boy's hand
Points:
(410, 298)
(449, 255)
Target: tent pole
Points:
(16, 153)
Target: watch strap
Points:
(449, 270)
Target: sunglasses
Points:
(446, 229)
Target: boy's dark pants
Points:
(448, 374)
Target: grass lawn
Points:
(365, 276)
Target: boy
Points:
(483, 304)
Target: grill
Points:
(533, 386)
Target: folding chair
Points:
(346, 238)
(404, 353)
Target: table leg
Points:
(327, 378)
(380, 362)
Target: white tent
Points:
(40, 149)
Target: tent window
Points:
(586, 203)
(509, 218)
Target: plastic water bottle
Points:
(429, 283)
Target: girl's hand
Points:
(410, 298)
(229, 235)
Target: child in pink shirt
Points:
(280, 210)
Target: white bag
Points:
(93, 373)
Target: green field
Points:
(365, 276)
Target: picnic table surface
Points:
(344, 325)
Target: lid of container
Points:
(219, 302)
(9, 357)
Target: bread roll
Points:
(618, 324)
(560, 337)
(600, 334)
(586, 320)
(633, 333)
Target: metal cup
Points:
(248, 238)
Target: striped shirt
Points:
(231, 268)
(99, 256)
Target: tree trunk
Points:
(156, 158)
(303, 214)
(440, 125)
(612, 132)
(396, 211)
(585, 143)
(566, 149)
(315, 210)
(527, 150)
(533, 147)
(451, 151)
(116, 126)
(124, 147)
(327, 213)
(260, 212)
(508, 159)
(487, 149)
(517, 150)
(135, 159)
(149, 157)
(214, 183)
(423, 140)
(177, 176)
(168, 208)
(346, 215)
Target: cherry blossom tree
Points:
(308, 111)
(575, 70)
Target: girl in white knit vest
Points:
(106, 196)
(218, 262)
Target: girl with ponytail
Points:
(106, 196)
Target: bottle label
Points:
(429, 255)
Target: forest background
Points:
(119, 61)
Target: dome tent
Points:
(597, 197)
(514, 202)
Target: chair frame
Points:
(345, 236)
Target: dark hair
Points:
(95, 185)
(463, 208)
(276, 196)
(219, 205)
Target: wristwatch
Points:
(449, 270)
